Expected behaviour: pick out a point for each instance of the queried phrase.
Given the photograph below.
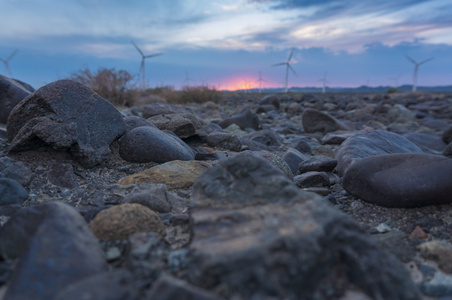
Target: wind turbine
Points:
(288, 66)
(142, 67)
(5, 63)
(187, 79)
(416, 68)
(260, 80)
(324, 82)
(396, 80)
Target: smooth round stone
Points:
(148, 144)
(401, 180)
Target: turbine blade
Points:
(293, 71)
(12, 55)
(8, 71)
(424, 61)
(280, 64)
(152, 55)
(290, 55)
(410, 59)
(137, 48)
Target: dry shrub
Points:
(115, 86)
(199, 94)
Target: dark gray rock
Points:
(183, 125)
(293, 158)
(293, 108)
(212, 127)
(11, 93)
(3, 134)
(302, 145)
(336, 138)
(257, 236)
(16, 170)
(153, 196)
(135, 121)
(448, 150)
(276, 161)
(148, 144)
(317, 163)
(62, 174)
(246, 119)
(168, 287)
(55, 249)
(401, 180)
(370, 143)
(114, 285)
(68, 116)
(265, 137)
(224, 140)
(211, 156)
(270, 99)
(312, 179)
(155, 109)
(447, 136)
(12, 193)
(428, 143)
(318, 121)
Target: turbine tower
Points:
(324, 82)
(7, 70)
(187, 79)
(288, 66)
(260, 80)
(142, 66)
(416, 68)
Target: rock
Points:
(317, 121)
(212, 127)
(12, 195)
(211, 156)
(293, 108)
(155, 109)
(152, 196)
(120, 221)
(63, 175)
(265, 137)
(113, 285)
(317, 163)
(175, 174)
(370, 143)
(11, 93)
(401, 180)
(400, 114)
(336, 138)
(427, 142)
(293, 158)
(183, 125)
(244, 120)
(234, 129)
(438, 251)
(66, 115)
(302, 145)
(224, 140)
(447, 136)
(312, 179)
(135, 121)
(270, 99)
(148, 144)
(251, 224)
(16, 170)
(168, 287)
(55, 249)
(276, 161)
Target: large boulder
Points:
(55, 248)
(370, 143)
(257, 236)
(401, 180)
(11, 93)
(66, 115)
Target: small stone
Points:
(183, 125)
(440, 252)
(312, 179)
(175, 174)
(224, 140)
(418, 233)
(119, 222)
(246, 119)
(317, 121)
(318, 164)
(11, 192)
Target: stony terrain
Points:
(254, 197)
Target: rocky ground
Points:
(247, 201)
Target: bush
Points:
(199, 94)
(114, 86)
(392, 90)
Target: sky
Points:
(230, 44)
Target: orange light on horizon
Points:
(241, 83)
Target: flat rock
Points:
(68, 116)
(154, 109)
(11, 93)
(183, 125)
(224, 140)
(257, 236)
(149, 144)
(121, 221)
(55, 249)
(312, 179)
(175, 174)
(317, 121)
(246, 119)
(318, 164)
(371, 143)
(401, 180)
